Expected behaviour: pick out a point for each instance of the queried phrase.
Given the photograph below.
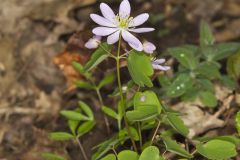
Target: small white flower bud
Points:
(93, 42)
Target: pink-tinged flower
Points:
(157, 65)
(121, 24)
(93, 42)
(148, 47)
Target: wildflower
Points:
(121, 24)
(149, 47)
(93, 42)
(157, 65)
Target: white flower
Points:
(156, 65)
(93, 42)
(121, 24)
(148, 47)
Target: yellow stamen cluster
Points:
(123, 21)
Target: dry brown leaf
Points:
(74, 51)
(231, 32)
(196, 119)
(231, 7)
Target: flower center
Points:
(123, 21)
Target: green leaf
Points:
(233, 66)
(150, 153)
(177, 123)
(205, 84)
(98, 56)
(190, 94)
(140, 73)
(73, 126)
(106, 80)
(60, 136)
(77, 66)
(232, 139)
(229, 82)
(148, 125)
(164, 80)
(208, 98)
(224, 50)
(51, 156)
(142, 114)
(110, 112)
(206, 36)
(174, 147)
(85, 127)
(179, 86)
(208, 70)
(105, 146)
(219, 51)
(127, 155)
(217, 149)
(229, 138)
(73, 115)
(109, 157)
(124, 133)
(83, 84)
(237, 119)
(146, 106)
(147, 98)
(185, 55)
(86, 110)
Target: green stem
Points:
(140, 133)
(110, 54)
(82, 149)
(102, 104)
(121, 94)
(193, 152)
(99, 96)
(114, 151)
(155, 132)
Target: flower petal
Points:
(142, 30)
(104, 31)
(101, 20)
(113, 38)
(139, 20)
(132, 40)
(159, 67)
(149, 47)
(107, 12)
(97, 38)
(125, 8)
(159, 61)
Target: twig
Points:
(22, 110)
(226, 105)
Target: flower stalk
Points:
(121, 94)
